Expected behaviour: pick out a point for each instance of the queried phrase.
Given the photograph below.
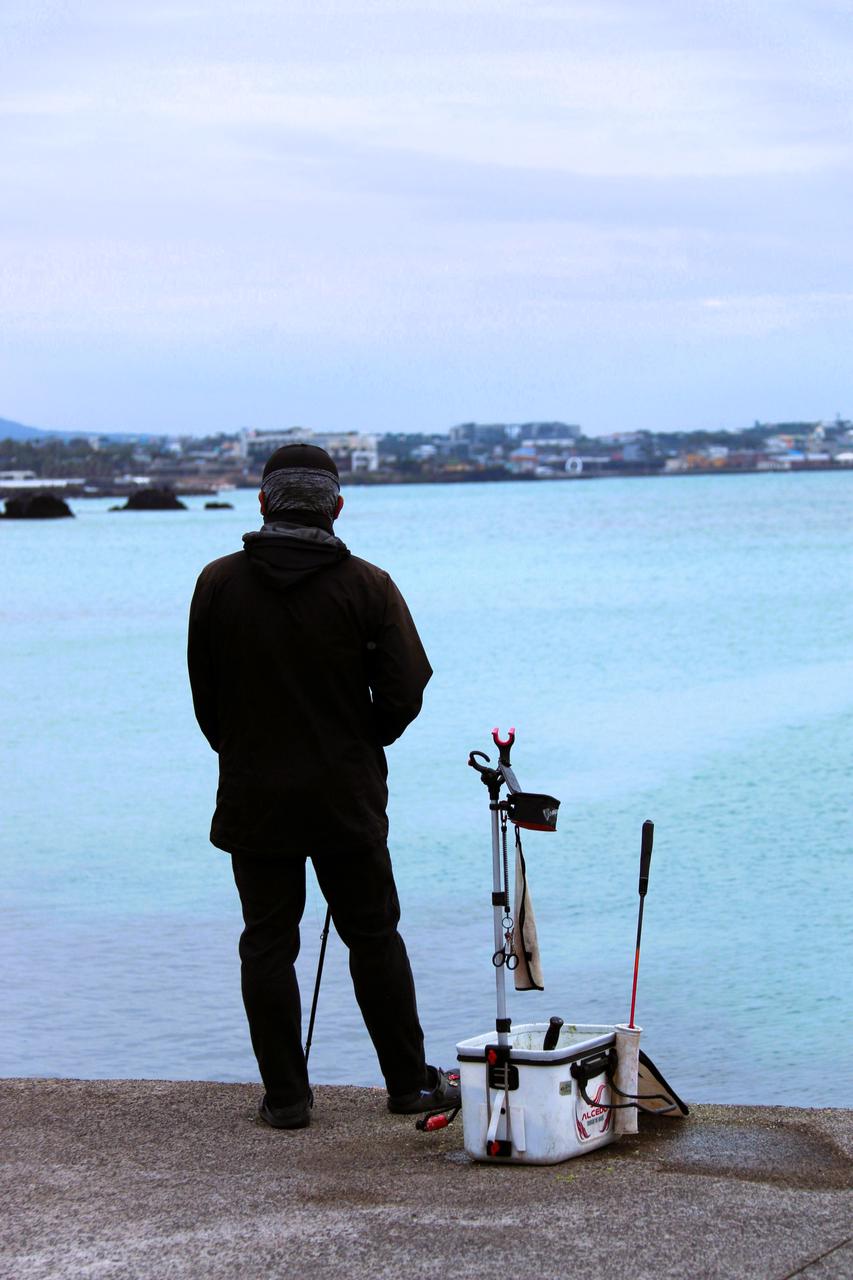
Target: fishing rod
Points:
(324, 938)
(645, 864)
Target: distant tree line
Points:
(59, 459)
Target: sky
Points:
(383, 215)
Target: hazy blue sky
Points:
(383, 214)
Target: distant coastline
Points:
(70, 489)
(626, 473)
(118, 466)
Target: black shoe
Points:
(443, 1092)
(297, 1116)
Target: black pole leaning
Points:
(324, 938)
(645, 865)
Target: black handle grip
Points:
(588, 1068)
(646, 855)
(552, 1035)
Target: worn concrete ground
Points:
(171, 1180)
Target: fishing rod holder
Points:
(535, 1093)
(530, 810)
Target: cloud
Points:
(475, 172)
(605, 113)
(759, 315)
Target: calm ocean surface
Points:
(678, 649)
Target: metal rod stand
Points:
(498, 910)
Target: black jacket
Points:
(304, 662)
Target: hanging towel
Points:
(525, 944)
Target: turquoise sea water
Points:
(678, 649)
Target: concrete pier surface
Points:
(144, 1178)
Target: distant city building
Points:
(256, 446)
(351, 450)
(478, 433)
(543, 433)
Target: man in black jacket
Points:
(304, 663)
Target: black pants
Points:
(362, 895)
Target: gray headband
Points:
(301, 489)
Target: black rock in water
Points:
(152, 500)
(37, 506)
(219, 506)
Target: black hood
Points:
(286, 554)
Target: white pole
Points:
(498, 909)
